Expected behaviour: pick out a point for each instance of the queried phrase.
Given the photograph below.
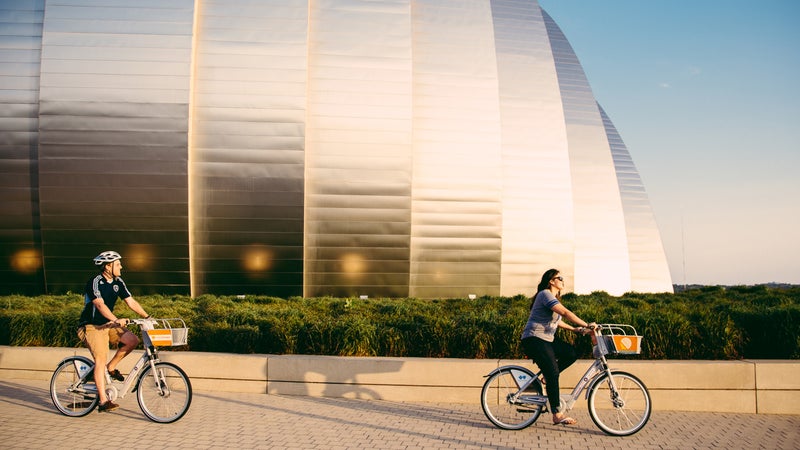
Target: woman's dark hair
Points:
(545, 283)
(546, 277)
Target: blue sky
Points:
(706, 96)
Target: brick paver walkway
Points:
(28, 420)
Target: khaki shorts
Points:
(98, 340)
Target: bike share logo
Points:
(81, 367)
(626, 343)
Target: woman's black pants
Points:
(552, 358)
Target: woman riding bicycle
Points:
(539, 343)
(98, 325)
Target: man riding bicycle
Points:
(99, 327)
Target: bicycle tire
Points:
(625, 413)
(68, 395)
(170, 401)
(496, 404)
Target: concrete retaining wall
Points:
(753, 386)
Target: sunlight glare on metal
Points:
(257, 259)
(353, 264)
(138, 257)
(26, 261)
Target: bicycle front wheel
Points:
(164, 395)
(71, 396)
(503, 402)
(622, 411)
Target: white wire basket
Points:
(619, 339)
(169, 333)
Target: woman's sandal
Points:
(566, 421)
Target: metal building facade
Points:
(427, 148)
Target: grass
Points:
(708, 323)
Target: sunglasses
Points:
(559, 278)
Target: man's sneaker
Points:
(116, 375)
(107, 406)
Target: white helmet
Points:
(106, 257)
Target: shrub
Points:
(707, 323)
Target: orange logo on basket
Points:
(626, 342)
(160, 337)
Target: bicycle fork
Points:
(159, 379)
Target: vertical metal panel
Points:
(601, 251)
(457, 185)
(537, 193)
(247, 151)
(114, 97)
(649, 268)
(403, 147)
(21, 268)
(358, 144)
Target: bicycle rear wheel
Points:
(165, 397)
(621, 412)
(502, 401)
(70, 395)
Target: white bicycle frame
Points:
(589, 378)
(149, 356)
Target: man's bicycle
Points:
(162, 388)
(619, 403)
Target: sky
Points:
(706, 96)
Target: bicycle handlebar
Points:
(142, 321)
(127, 321)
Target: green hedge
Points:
(709, 323)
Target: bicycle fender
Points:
(507, 367)
(522, 375)
(78, 357)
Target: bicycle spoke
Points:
(167, 397)
(621, 411)
(501, 400)
(68, 393)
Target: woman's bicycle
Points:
(162, 388)
(619, 403)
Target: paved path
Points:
(28, 420)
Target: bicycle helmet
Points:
(106, 257)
